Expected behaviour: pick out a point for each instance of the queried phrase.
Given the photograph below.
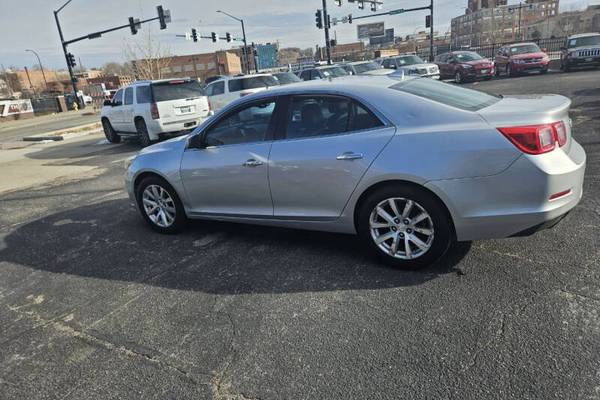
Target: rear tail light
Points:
(154, 111)
(536, 139)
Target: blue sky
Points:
(30, 24)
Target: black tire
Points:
(142, 130)
(109, 132)
(509, 71)
(458, 77)
(543, 71)
(496, 70)
(179, 221)
(443, 235)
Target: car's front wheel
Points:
(405, 226)
(160, 206)
(458, 78)
(109, 132)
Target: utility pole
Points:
(41, 66)
(64, 47)
(246, 60)
(431, 58)
(326, 25)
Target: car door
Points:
(328, 145)
(228, 174)
(127, 124)
(116, 111)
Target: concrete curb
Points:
(75, 129)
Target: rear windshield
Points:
(366, 67)
(524, 49)
(451, 95)
(285, 78)
(235, 85)
(334, 72)
(175, 90)
(585, 41)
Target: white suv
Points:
(153, 109)
(225, 90)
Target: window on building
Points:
(177, 68)
(188, 68)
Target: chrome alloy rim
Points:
(159, 206)
(401, 228)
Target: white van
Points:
(225, 90)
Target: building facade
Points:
(493, 21)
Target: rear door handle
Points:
(253, 163)
(349, 155)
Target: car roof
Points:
(233, 78)
(148, 81)
(580, 35)
(521, 44)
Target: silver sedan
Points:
(410, 165)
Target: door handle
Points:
(253, 163)
(349, 155)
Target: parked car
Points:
(225, 90)
(518, 58)
(581, 51)
(411, 65)
(155, 109)
(464, 66)
(410, 165)
(324, 72)
(365, 68)
(286, 78)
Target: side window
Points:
(142, 95)
(117, 99)
(235, 85)
(318, 116)
(247, 125)
(362, 119)
(305, 75)
(218, 88)
(315, 74)
(128, 96)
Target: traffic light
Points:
(319, 19)
(214, 37)
(71, 60)
(349, 18)
(338, 3)
(361, 5)
(428, 21)
(133, 25)
(333, 43)
(194, 35)
(228, 37)
(164, 17)
(328, 21)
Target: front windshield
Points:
(334, 72)
(366, 67)
(286, 78)
(524, 49)
(465, 57)
(585, 41)
(410, 60)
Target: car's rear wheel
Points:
(405, 226)
(160, 206)
(496, 70)
(544, 71)
(458, 77)
(109, 132)
(509, 70)
(142, 130)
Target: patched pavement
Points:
(94, 305)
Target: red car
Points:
(464, 66)
(519, 58)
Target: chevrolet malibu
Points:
(410, 165)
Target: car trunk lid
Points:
(180, 100)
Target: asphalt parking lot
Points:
(94, 305)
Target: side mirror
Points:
(197, 142)
(108, 103)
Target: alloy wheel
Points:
(458, 77)
(159, 206)
(401, 228)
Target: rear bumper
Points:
(158, 128)
(517, 200)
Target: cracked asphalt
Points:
(94, 305)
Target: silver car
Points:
(410, 165)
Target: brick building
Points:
(110, 82)
(493, 21)
(200, 66)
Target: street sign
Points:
(394, 12)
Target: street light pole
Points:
(246, 60)
(41, 66)
(326, 25)
(64, 46)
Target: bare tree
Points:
(149, 58)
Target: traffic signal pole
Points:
(326, 26)
(64, 47)
(431, 58)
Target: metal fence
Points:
(45, 105)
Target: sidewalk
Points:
(11, 131)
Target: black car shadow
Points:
(110, 241)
